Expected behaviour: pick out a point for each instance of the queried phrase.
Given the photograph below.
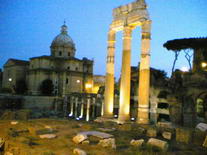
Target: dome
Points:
(63, 39)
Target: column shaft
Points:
(144, 75)
(109, 85)
(125, 77)
(88, 110)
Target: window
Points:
(68, 67)
(66, 81)
(69, 54)
(76, 68)
(60, 53)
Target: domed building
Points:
(67, 73)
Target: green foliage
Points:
(47, 87)
(182, 44)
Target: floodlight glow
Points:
(132, 118)
(10, 79)
(203, 64)
(70, 115)
(184, 69)
(88, 85)
(78, 81)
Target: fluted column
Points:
(144, 75)
(109, 85)
(88, 109)
(124, 102)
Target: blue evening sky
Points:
(27, 28)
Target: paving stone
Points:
(137, 142)
(110, 142)
(202, 127)
(167, 135)
(163, 145)
(79, 138)
(47, 136)
(78, 151)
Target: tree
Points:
(47, 87)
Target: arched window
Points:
(66, 81)
(60, 53)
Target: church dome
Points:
(63, 39)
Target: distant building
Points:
(68, 74)
(1, 78)
(14, 71)
(98, 81)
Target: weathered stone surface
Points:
(2, 141)
(8, 153)
(141, 130)
(137, 142)
(205, 142)
(48, 136)
(110, 142)
(151, 132)
(106, 129)
(158, 143)
(79, 138)
(86, 142)
(78, 151)
(98, 134)
(202, 127)
(14, 122)
(125, 127)
(198, 137)
(167, 135)
(183, 135)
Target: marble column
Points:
(88, 109)
(124, 102)
(109, 85)
(82, 109)
(144, 75)
(76, 107)
(71, 106)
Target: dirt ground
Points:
(23, 139)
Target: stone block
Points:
(14, 122)
(78, 151)
(137, 143)
(205, 142)
(183, 135)
(47, 136)
(167, 135)
(202, 127)
(2, 141)
(8, 153)
(110, 142)
(151, 132)
(86, 142)
(163, 145)
(79, 138)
